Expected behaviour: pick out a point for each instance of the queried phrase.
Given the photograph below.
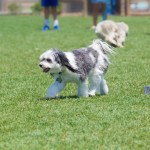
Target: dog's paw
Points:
(91, 94)
(51, 97)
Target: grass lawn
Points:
(118, 121)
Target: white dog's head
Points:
(50, 61)
(112, 32)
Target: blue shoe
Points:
(56, 27)
(45, 28)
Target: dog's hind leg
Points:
(94, 83)
(83, 89)
(103, 88)
(54, 89)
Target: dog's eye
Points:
(49, 60)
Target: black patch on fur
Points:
(59, 79)
(113, 45)
(105, 67)
(61, 58)
(84, 61)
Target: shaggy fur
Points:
(112, 32)
(78, 66)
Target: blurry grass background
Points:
(120, 120)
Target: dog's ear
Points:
(61, 58)
(56, 54)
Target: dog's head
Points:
(121, 38)
(50, 61)
(124, 27)
(54, 61)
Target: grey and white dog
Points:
(78, 66)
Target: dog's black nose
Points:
(40, 65)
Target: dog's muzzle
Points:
(44, 69)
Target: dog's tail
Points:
(102, 46)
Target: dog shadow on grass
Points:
(147, 33)
(72, 97)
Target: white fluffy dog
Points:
(78, 66)
(112, 32)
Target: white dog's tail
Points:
(99, 45)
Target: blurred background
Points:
(76, 7)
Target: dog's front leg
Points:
(83, 88)
(55, 88)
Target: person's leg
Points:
(54, 5)
(104, 11)
(54, 13)
(95, 8)
(46, 12)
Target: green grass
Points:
(118, 121)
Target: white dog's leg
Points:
(54, 89)
(103, 88)
(94, 83)
(83, 89)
